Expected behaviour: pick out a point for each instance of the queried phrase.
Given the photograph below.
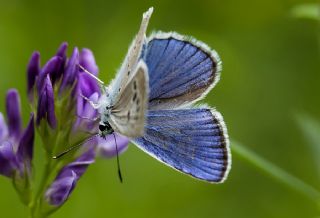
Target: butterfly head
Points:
(105, 129)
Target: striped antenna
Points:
(118, 161)
(74, 147)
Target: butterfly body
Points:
(105, 110)
(105, 129)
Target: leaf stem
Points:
(276, 172)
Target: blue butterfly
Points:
(152, 101)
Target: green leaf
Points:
(311, 130)
(275, 172)
(308, 11)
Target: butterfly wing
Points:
(181, 70)
(132, 58)
(193, 141)
(128, 113)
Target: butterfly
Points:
(152, 102)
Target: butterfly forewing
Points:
(128, 113)
(181, 70)
(132, 58)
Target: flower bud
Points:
(33, 70)
(65, 182)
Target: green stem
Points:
(35, 207)
(276, 172)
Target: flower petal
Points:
(50, 107)
(107, 147)
(66, 180)
(42, 106)
(71, 70)
(8, 162)
(62, 50)
(88, 62)
(33, 70)
(80, 165)
(46, 104)
(51, 68)
(88, 110)
(87, 85)
(60, 189)
(3, 128)
(85, 112)
(62, 53)
(25, 149)
(13, 113)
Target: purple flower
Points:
(61, 84)
(66, 180)
(16, 146)
(64, 118)
(107, 147)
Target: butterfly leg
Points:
(100, 82)
(91, 74)
(88, 118)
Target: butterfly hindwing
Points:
(193, 141)
(128, 113)
(181, 70)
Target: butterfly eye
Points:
(102, 128)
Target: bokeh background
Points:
(271, 72)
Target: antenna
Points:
(118, 162)
(74, 147)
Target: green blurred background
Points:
(270, 72)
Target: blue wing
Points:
(193, 141)
(181, 69)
